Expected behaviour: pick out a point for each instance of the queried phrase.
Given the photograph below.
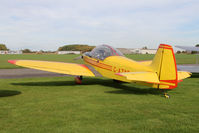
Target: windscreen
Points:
(103, 51)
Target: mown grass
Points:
(98, 105)
(181, 58)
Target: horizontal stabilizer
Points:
(182, 75)
(149, 77)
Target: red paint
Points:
(170, 81)
(82, 65)
(119, 70)
(97, 64)
(119, 74)
(165, 45)
(114, 69)
(176, 80)
(180, 81)
(12, 61)
(166, 48)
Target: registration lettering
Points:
(119, 70)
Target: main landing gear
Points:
(78, 79)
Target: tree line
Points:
(3, 47)
(76, 47)
(73, 47)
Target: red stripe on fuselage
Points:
(98, 64)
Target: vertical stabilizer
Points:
(164, 64)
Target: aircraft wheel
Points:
(78, 79)
(166, 95)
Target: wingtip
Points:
(12, 61)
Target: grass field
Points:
(181, 58)
(57, 104)
(41, 105)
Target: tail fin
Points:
(164, 64)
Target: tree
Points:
(76, 47)
(197, 45)
(26, 51)
(145, 47)
(178, 52)
(3, 47)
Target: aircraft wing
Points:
(57, 67)
(188, 48)
(150, 77)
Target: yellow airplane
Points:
(109, 62)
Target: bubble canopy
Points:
(103, 51)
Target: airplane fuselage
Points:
(112, 65)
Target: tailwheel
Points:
(78, 79)
(166, 95)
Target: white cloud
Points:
(47, 24)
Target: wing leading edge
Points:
(57, 67)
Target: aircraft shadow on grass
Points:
(8, 93)
(122, 88)
(195, 75)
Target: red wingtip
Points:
(12, 61)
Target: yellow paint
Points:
(57, 67)
(159, 73)
(183, 75)
(150, 77)
(124, 65)
(146, 63)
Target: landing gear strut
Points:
(78, 79)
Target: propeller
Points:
(78, 57)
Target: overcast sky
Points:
(48, 24)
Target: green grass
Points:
(181, 58)
(38, 105)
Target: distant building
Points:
(143, 51)
(125, 50)
(68, 52)
(137, 51)
(10, 52)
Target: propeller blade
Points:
(78, 58)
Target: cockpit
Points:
(103, 51)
